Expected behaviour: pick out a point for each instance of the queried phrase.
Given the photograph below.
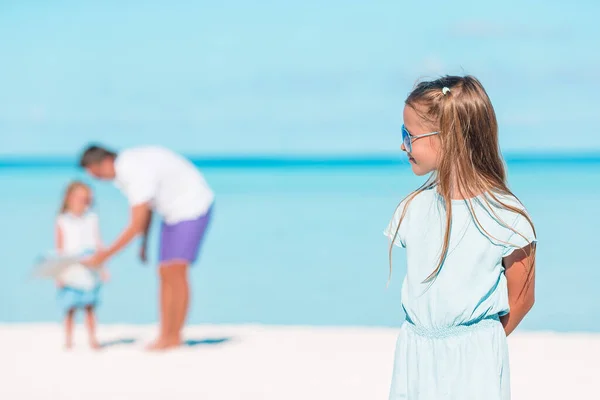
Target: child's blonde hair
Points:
(70, 188)
(469, 151)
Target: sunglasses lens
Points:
(406, 140)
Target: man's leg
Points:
(174, 302)
(180, 244)
(181, 301)
(165, 309)
(177, 276)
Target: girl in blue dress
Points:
(470, 248)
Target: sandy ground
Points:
(261, 362)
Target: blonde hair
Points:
(470, 162)
(70, 188)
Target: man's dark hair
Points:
(95, 154)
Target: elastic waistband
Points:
(440, 333)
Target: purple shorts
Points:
(181, 241)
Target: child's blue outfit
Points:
(452, 345)
(81, 286)
(70, 298)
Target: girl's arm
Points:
(58, 239)
(520, 276)
(98, 234)
(59, 244)
(104, 275)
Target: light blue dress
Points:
(452, 345)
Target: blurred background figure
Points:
(78, 234)
(156, 180)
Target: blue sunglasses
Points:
(408, 138)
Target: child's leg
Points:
(90, 321)
(69, 323)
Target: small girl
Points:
(78, 234)
(470, 247)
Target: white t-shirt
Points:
(79, 235)
(172, 185)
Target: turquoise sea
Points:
(302, 245)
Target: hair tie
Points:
(445, 90)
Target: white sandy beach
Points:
(261, 362)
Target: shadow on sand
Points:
(117, 342)
(210, 341)
(207, 341)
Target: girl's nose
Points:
(402, 147)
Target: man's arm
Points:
(145, 232)
(140, 221)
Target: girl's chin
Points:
(417, 169)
